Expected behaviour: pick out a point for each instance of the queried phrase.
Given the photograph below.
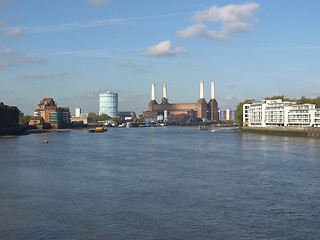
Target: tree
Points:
(96, 117)
(278, 97)
(24, 120)
(139, 119)
(239, 111)
(104, 117)
(93, 116)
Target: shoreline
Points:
(279, 131)
(36, 131)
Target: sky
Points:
(73, 50)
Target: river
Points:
(159, 183)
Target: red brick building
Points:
(9, 116)
(51, 113)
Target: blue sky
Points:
(72, 50)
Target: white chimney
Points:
(201, 90)
(212, 90)
(153, 93)
(165, 91)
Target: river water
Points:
(159, 183)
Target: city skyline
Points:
(73, 50)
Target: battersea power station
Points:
(200, 109)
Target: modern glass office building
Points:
(108, 104)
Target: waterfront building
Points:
(200, 109)
(9, 116)
(271, 113)
(226, 115)
(108, 104)
(36, 120)
(127, 115)
(83, 119)
(55, 118)
(51, 113)
(65, 114)
(317, 118)
(77, 112)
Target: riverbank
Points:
(35, 131)
(279, 131)
(13, 131)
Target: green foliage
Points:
(92, 115)
(278, 97)
(96, 117)
(24, 120)
(302, 100)
(139, 119)
(239, 112)
(116, 119)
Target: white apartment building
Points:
(317, 118)
(270, 113)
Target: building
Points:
(108, 104)
(127, 115)
(65, 114)
(77, 112)
(271, 113)
(51, 113)
(200, 109)
(36, 120)
(9, 116)
(226, 115)
(83, 119)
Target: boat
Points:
(98, 129)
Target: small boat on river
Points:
(98, 129)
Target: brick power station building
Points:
(200, 109)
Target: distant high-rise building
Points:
(78, 112)
(108, 104)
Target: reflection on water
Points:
(159, 183)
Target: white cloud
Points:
(9, 57)
(37, 75)
(217, 36)
(140, 68)
(301, 88)
(231, 85)
(230, 97)
(163, 49)
(91, 94)
(195, 30)
(10, 32)
(230, 12)
(124, 63)
(13, 32)
(7, 51)
(97, 2)
(97, 23)
(233, 18)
